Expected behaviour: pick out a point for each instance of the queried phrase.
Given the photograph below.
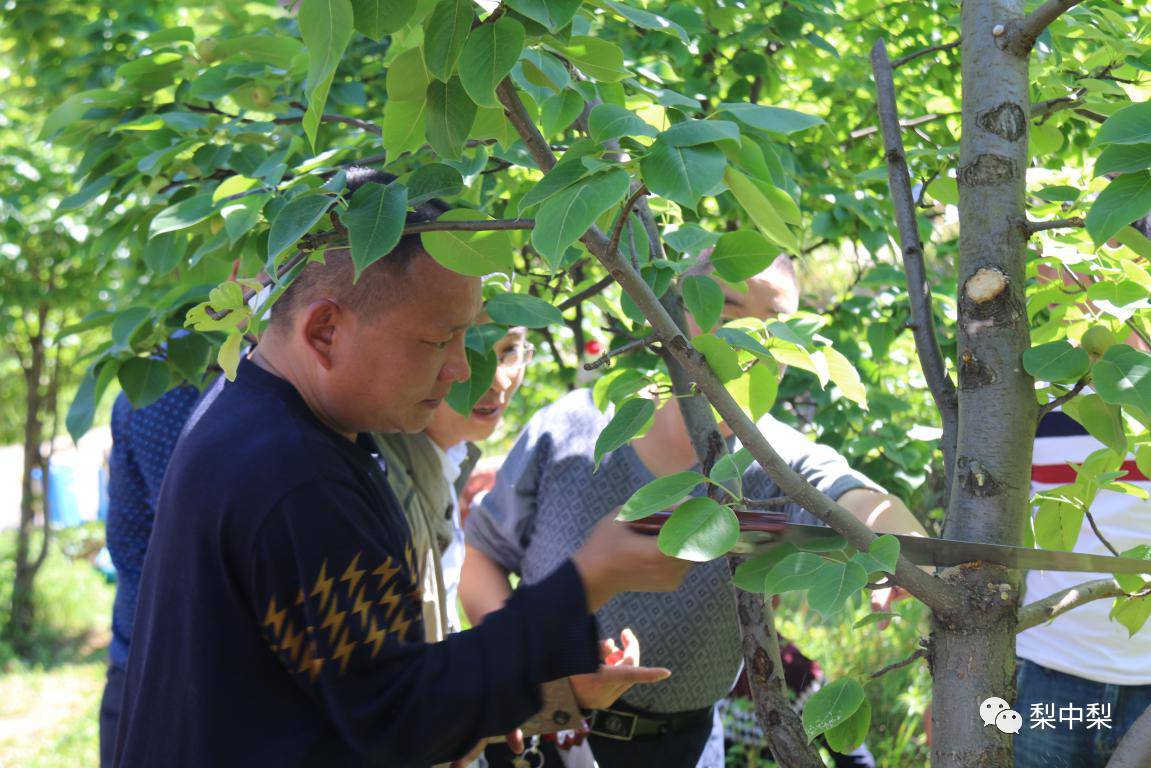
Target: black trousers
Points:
(681, 749)
(110, 706)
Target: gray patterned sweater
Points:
(548, 496)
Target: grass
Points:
(49, 704)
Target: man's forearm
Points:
(881, 512)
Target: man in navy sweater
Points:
(278, 620)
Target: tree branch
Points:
(640, 191)
(623, 349)
(473, 225)
(1098, 533)
(1074, 222)
(1051, 405)
(936, 593)
(921, 653)
(862, 133)
(1019, 36)
(913, 56)
(1034, 614)
(1134, 750)
(922, 315)
(594, 289)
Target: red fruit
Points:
(593, 348)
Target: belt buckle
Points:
(613, 724)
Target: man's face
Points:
(395, 369)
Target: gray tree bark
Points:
(973, 647)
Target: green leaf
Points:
(433, 180)
(1058, 194)
(660, 494)
(763, 386)
(1136, 241)
(488, 56)
(742, 254)
(376, 18)
(630, 418)
(692, 133)
(1103, 421)
(164, 253)
(845, 376)
(682, 174)
(464, 395)
(1130, 125)
(611, 121)
(564, 174)
(728, 471)
(848, 735)
(751, 574)
(243, 214)
(189, 354)
(566, 216)
(1123, 377)
(405, 124)
(699, 530)
(793, 572)
(617, 386)
(1056, 361)
(720, 356)
(691, 239)
(294, 220)
(445, 33)
(831, 705)
(774, 119)
(834, 584)
(229, 355)
(1058, 519)
(882, 556)
(1134, 582)
(144, 380)
(553, 14)
(704, 299)
(182, 215)
(762, 211)
(471, 253)
(73, 109)
(408, 77)
(598, 59)
(126, 324)
(375, 222)
(510, 309)
(1123, 158)
(1131, 612)
(560, 111)
(450, 117)
(277, 50)
(649, 20)
(82, 410)
(326, 27)
(1126, 199)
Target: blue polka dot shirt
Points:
(142, 443)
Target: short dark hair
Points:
(334, 277)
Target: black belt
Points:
(625, 726)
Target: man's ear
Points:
(319, 325)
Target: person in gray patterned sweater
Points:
(548, 496)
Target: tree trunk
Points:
(21, 619)
(973, 647)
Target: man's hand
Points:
(617, 559)
(618, 672)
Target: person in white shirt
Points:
(1082, 668)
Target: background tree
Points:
(627, 139)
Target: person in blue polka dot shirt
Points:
(142, 443)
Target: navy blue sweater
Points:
(278, 620)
